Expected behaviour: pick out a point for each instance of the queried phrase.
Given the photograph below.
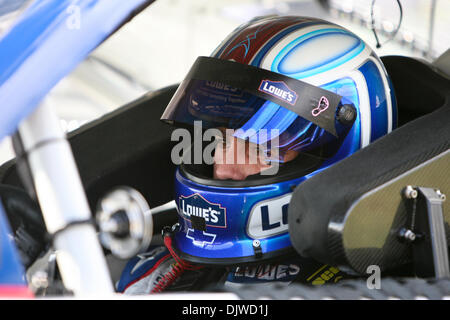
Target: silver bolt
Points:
(441, 195)
(407, 234)
(256, 243)
(410, 192)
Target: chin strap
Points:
(177, 269)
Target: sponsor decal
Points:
(325, 274)
(269, 217)
(266, 272)
(221, 86)
(278, 89)
(195, 205)
(321, 107)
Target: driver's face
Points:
(240, 170)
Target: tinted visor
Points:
(261, 105)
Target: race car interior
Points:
(131, 147)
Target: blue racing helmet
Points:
(319, 87)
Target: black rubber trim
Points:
(249, 260)
(39, 145)
(299, 167)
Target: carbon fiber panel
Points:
(370, 227)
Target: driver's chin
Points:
(237, 171)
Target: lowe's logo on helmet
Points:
(278, 89)
(196, 205)
(269, 217)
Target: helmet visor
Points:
(261, 106)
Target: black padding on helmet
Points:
(422, 95)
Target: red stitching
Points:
(178, 268)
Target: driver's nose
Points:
(237, 160)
